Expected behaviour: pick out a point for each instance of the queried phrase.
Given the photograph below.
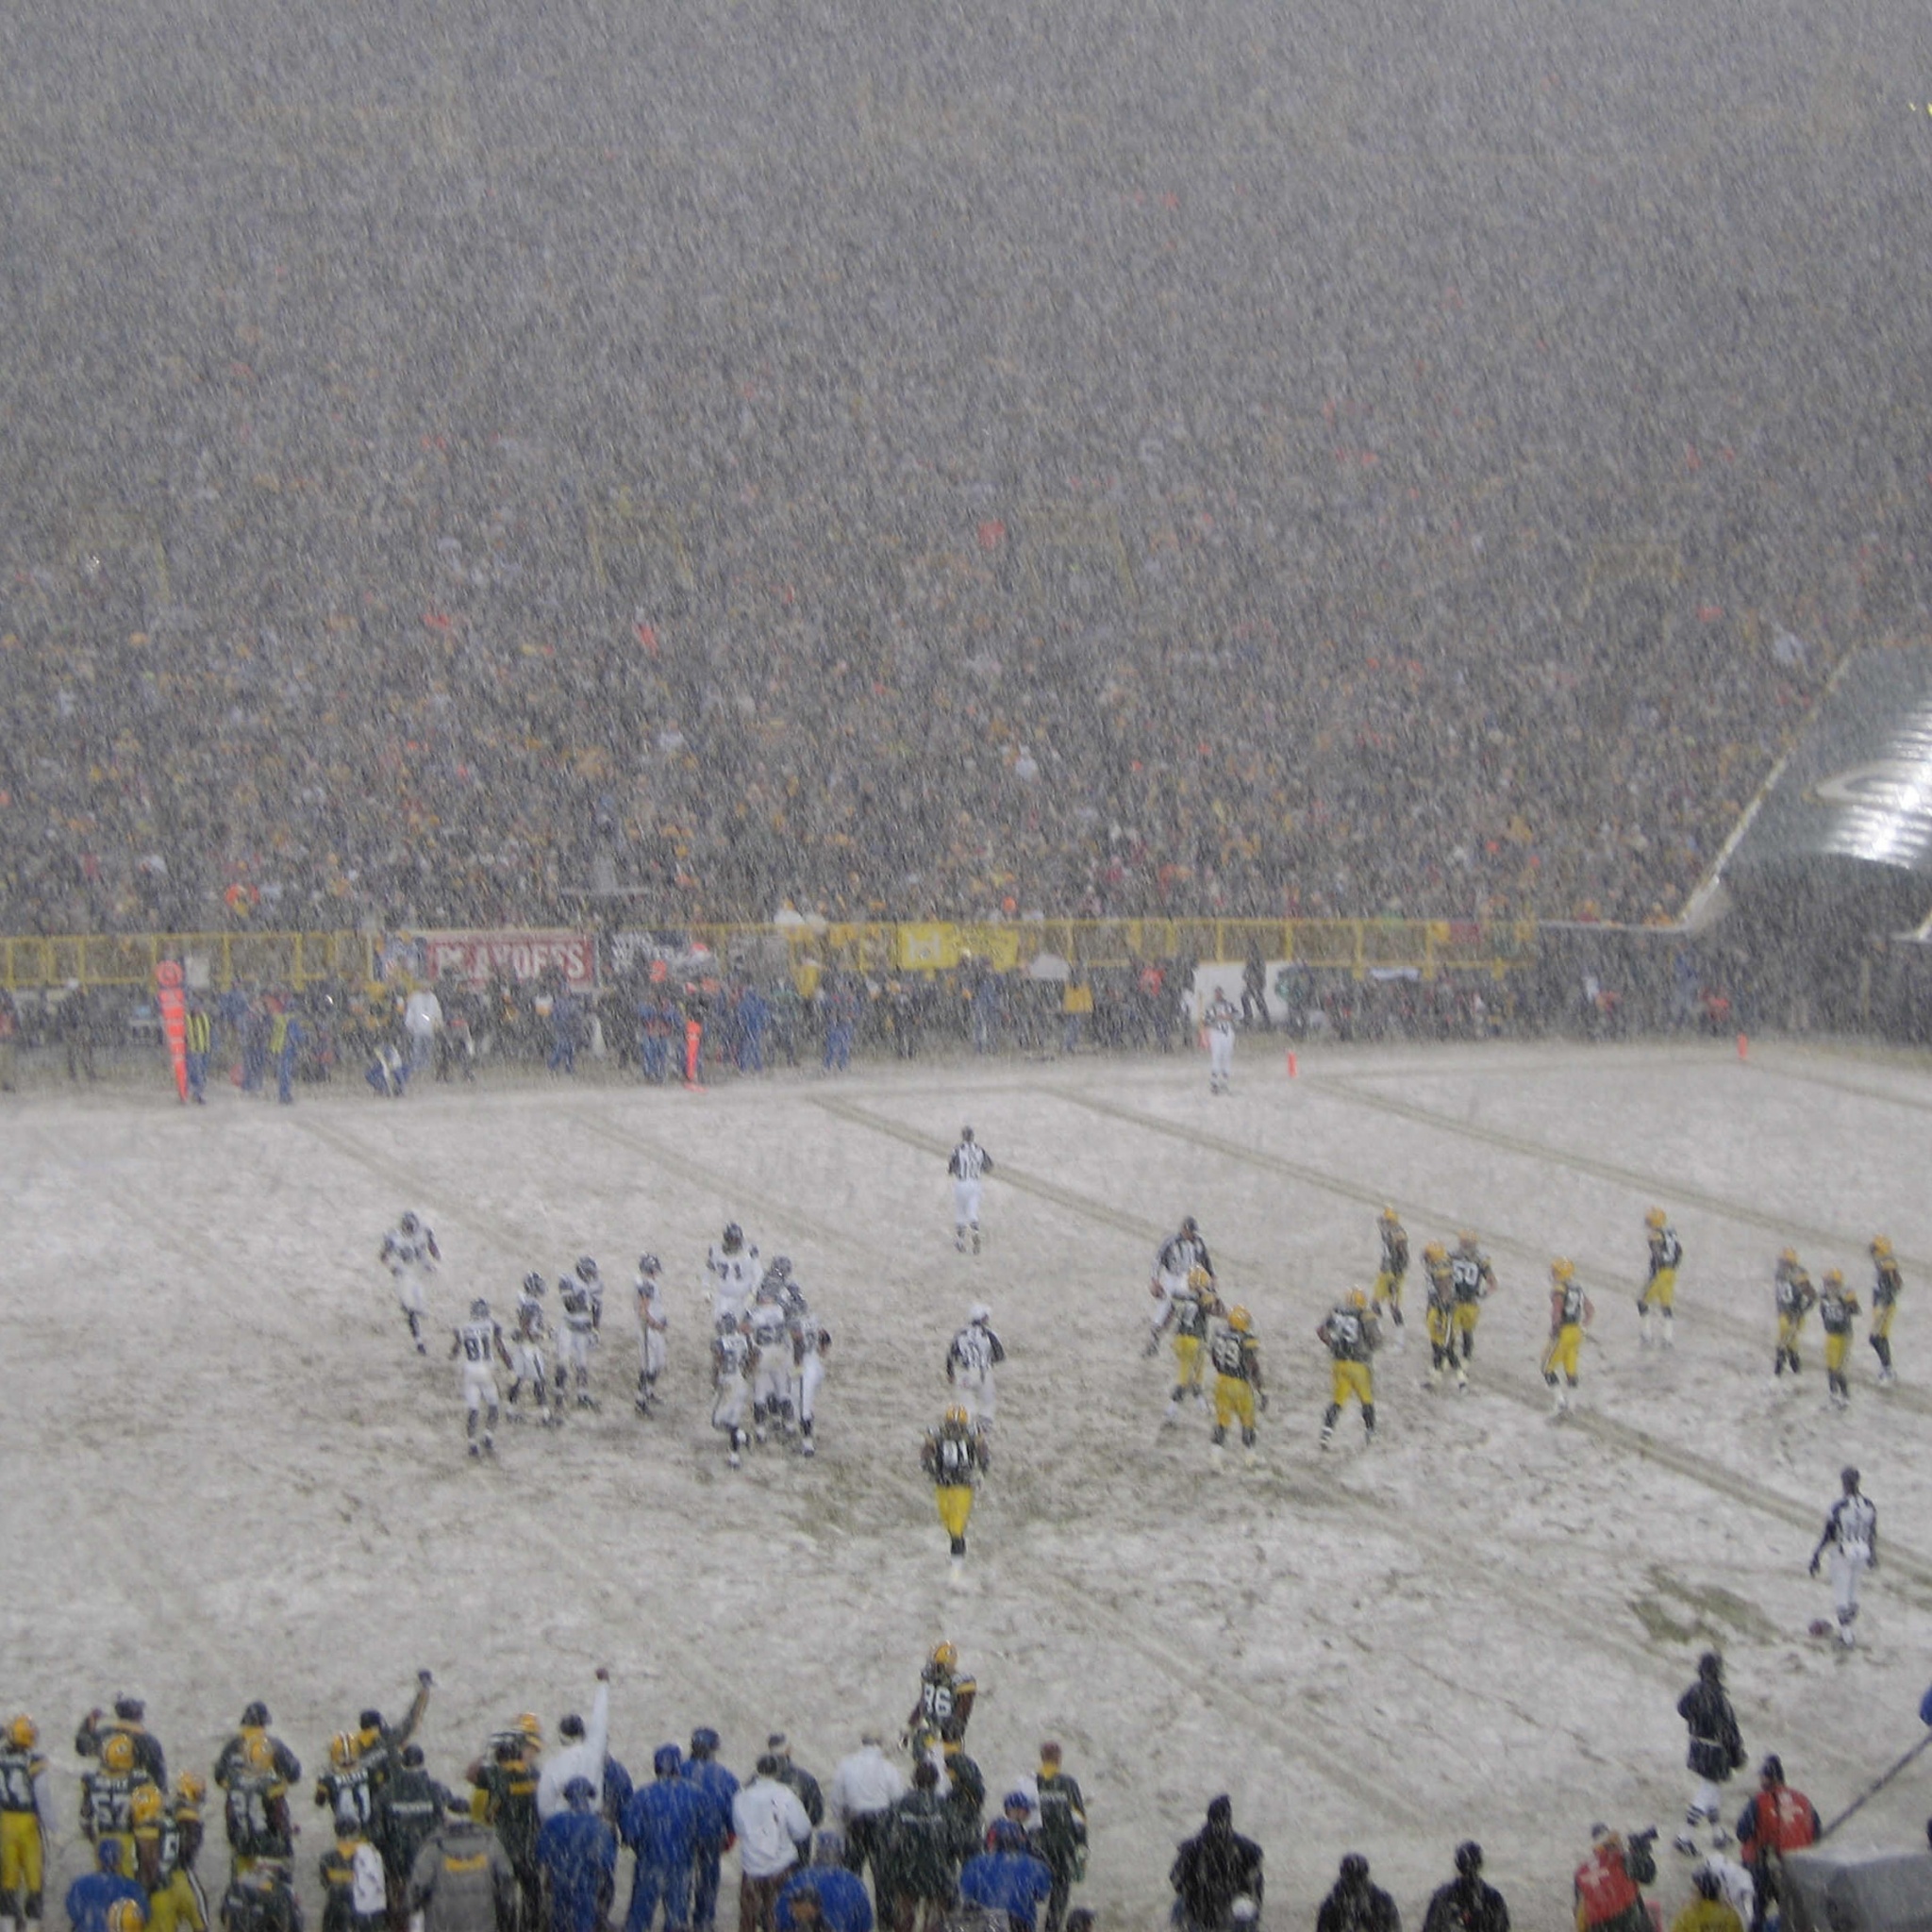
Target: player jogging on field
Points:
(968, 1167)
(1190, 1313)
(1661, 1284)
(1236, 1357)
(580, 1296)
(810, 1345)
(952, 1457)
(1350, 1333)
(731, 1356)
(479, 1343)
(1851, 1534)
(652, 1323)
(1387, 1291)
(1888, 1284)
(1795, 1297)
(944, 1708)
(528, 1362)
(410, 1254)
(1439, 1315)
(26, 1815)
(732, 1269)
(1838, 1308)
(1474, 1280)
(1570, 1313)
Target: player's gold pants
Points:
(1350, 1378)
(956, 1506)
(1388, 1288)
(1835, 1347)
(1661, 1290)
(1234, 1400)
(175, 1906)
(1465, 1317)
(1789, 1329)
(1881, 1320)
(1441, 1325)
(22, 1853)
(1187, 1361)
(1559, 1358)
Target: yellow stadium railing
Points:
(1356, 947)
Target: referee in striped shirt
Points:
(968, 1164)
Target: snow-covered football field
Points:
(224, 1475)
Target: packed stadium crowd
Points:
(1426, 602)
(451, 752)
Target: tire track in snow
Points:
(1783, 1227)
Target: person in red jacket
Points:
(1779, 1819)
(1608, 1899)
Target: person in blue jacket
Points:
(666, 1824)
(576, 1854)
(1009, 1878)
(703, 1770)
(92, 1896)
(825, 1896)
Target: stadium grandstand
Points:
(467, 467)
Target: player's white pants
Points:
(651, 1353)
(1845, 1571)
(479, 1386)
(811, 1372)
(528, 1363)
(966, 1203)
(974, 1390)
(572, 1352)
(1220, 1056)
(1707, 1800)
(410, 1292)
(771, 1381)
(727, 1408)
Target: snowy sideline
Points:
(227, 1477)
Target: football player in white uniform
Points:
(479, 1345)
(970, 1163)
(770, 1328)
(733, 1270)
(976, 1351)
(581, 1296)
(810, 1344)
(528, 1361)
(730, 1366)
(410, 1254)
(651, 1323)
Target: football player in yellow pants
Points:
(24, 1800)
(1394, 1269)
(1661, 1288)
(1439, 1314)
(1836, 1309)
(1236, 1357)
(1886, 1285)
(1796, 1297)
(1569, 1314)
(1350, 1335)
(952, 1457)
